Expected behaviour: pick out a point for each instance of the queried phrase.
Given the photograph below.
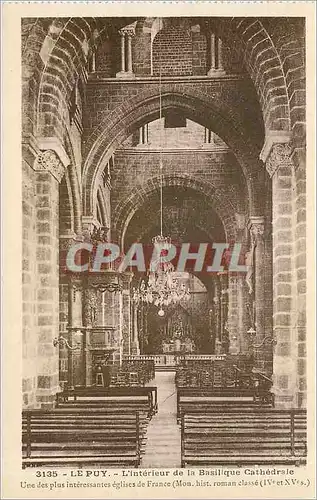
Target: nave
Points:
(128, 150)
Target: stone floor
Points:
(163, 447)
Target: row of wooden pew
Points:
(80, 437)
(238, 426)
(89, 427)
(243, 436)
(203, 399)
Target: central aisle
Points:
(163, 446)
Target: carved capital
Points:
(279, 156)
(128, 30)
(49, 161)
(256, 227)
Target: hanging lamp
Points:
(161, 287)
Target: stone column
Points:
(49, 172)
(217, 316)
(220, 59)
(289, 356)
(135, 341)
(216, 59)
(130, 34)
(122, 37)
(126, 322)
(263, 353)
(126, 34)
(243, 319)
(233, 313)
(66, 312)
(223, 278)
(84, 362)
(212, 51)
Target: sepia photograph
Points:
(163, 237)
(173, 133)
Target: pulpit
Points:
(102, 327)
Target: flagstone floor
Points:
(163, 447)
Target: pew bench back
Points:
(80, 438)
(205, 399)
(256, 437)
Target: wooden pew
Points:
(79, 438)
(255, 437)
(142, 399)
(204, 398)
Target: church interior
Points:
(192, 130)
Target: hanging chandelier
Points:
(161, 287)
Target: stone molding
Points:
(54, 144)
(273, 137)
(49, 161)
(256, 226)
(51, 156)
(280, 155)
(276, 151)
(128, 30)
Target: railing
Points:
(174, 360)
(200, 357)
(159, 359)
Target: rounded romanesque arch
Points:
(216, 198)
(196, 106)
(273, 51)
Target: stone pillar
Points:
(217, 315)
(126, 322)
(263, 353)
(216, 59)
(224, 335)
(243, 319)
(83, 362)
(122, 37)
(126, 35)
(220, 59)
(129, 51)
(212, 51)
(234, 313)
(64, 313)
(135, 349)
(49, 172)
(288, 313)
(29, 282)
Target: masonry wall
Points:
(167, 43)
(134, 168)
(40, 287)
(29, 330)
(289, 285)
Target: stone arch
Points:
(103, 208)
(270, 48)
(275, 63)
(224, 209)
(142, 109)
(66, 206)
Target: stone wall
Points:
(218, 168)
(29, 328)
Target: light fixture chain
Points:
(161, 134)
